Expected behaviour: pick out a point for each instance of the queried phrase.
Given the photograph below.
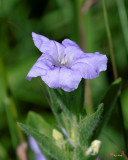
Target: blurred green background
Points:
(59, 19)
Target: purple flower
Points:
(34, 146)
(64, 65)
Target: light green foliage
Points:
(36, 121)
(80, 130)
(79, 154)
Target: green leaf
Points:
(58, 106)
(45, 143)
(88, 125)
(36, 121)
(75, 100)
(109, 101)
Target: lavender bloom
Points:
(34, 146)
(64, 65)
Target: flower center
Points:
(63, 61)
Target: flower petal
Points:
(69, 79)
(52, 77)
(68, 42)
(47, 46)
(90, 64)
(39, 157)
(64, 78)
(40, 67)
(41, 42)
(63, 65)
(34, 146)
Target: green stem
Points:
(82, 40)
(122, 124)
(114, 69)
(123, 19)
(78, 23)
(88, 96)
(109, 39)
(80, 36)
(77, 6)
(11, 111)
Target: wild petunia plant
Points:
(62, 66)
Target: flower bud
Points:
(94, 148)
(57, 135)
